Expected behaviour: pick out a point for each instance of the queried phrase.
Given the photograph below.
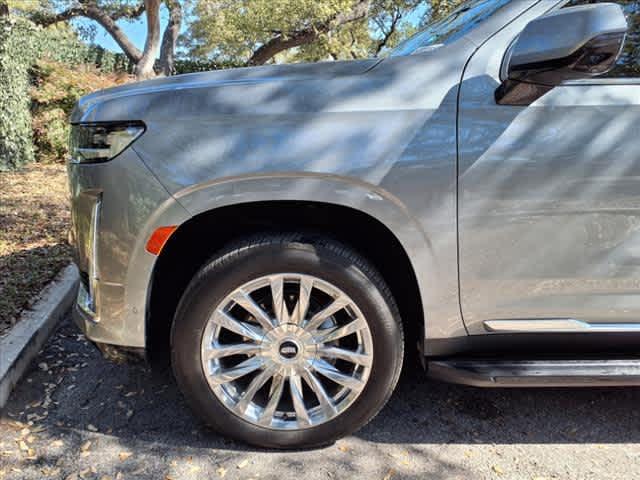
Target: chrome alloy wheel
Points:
(287, 351)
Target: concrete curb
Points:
(26, 338)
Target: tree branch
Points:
(90, 9)
(307, 35)
(395, 20)
(279, 44)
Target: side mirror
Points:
(568, 44)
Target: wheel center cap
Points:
(288, 344)
(288, 350)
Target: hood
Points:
(219, 78)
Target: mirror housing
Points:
(568, 44)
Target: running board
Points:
(537, 373)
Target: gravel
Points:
(94, 419)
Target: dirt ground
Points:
(34, 221)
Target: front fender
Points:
(441, 315)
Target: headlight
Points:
(99, 142)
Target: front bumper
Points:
(85, 320)
(115, 206)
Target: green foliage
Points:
(231, 30)
(38, 95)
(60, 43)
(188, 65)
(18, 44)
(56, 89)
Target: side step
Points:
(537, 373)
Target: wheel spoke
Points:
(275, 393)
(295, 386)
(323, 397)
(243, 299)
(254, 386)
(243, 329)
(335, 333)
(300, 310)
(332, 373)
(240, 370)
(344, 354)
(279, 306)
(220, 351)
(320, 317)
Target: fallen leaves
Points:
(497, 469)
(91, 471)
(31, 454)
(84, 449)
(50, 471)
(124, 455)
(34, 219)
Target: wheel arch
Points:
(197, 239)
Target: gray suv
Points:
(286, 233)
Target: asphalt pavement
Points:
(78, 416)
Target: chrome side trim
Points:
(94, 274)
(556, 325)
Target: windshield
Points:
(460, 22)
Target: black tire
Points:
(254, 257)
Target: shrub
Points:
(195, 65)
(55, 90)
(60, 43)
(68, 68)
(18, 48)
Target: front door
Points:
(549, 198)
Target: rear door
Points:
(549, 197)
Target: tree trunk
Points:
(4, 8)
(144, 61)
(170, 37)
(144, 68)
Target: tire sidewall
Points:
(223, 275)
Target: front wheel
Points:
(287, 341)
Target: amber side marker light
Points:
(159, 238)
